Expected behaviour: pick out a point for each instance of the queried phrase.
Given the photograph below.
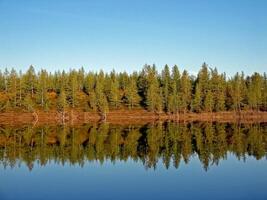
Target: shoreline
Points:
(128, 117)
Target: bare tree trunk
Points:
(36, 117)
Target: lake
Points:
(162, 160)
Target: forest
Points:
(169, 91)
(172, 143)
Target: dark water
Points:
(154, 161)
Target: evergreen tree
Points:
(131, 93)
(73, 88)
(93, 101)
(20, 89)
(237, 91)
(217, 86)
(166, 79)
(114, 92)
(208, 102)
(102, 103)
(2, 82)
(29, 103)
(62, 101)
(42, 90)
(264, 93)
(174, 95)
(255, 91)
(12, 85)
(30, 81)
(196, 102)
(89, 84)
(153, 93)
(185, 91)
(148, 89)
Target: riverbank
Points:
(127, 117)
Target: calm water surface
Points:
(154, 161)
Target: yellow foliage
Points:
(3, 97)
(52, 95)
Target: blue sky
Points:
(124, 35)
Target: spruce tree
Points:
(196, 102)
(102, 103)
(166, 79)
(114, 91)
(153, 93)
(2, 82)
(42, 97)
(73, 88)
(92, 101)
(13, 86)
(217, 86)
(174, 94)
(30, 81)
(131, 94)
(208, 102)
(169, 92)
(29, 103)
(264, 93)
(255, 91)
(62, 101)
(185, 91)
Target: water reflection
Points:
(169, 142)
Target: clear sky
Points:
(124, 35)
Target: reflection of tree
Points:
(131, 143)
(168, 142)
(154, 141)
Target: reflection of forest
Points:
(170, 142)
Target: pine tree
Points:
(81, 79)
(89, 89)
(264, 93)
(6, 74)
(123, 79)
(217, 86)
(131, 93)
(93, 101)
(30, 81)
(114, 92)
(73, 88)
(102, 103)
(153, 93)
(208, 102)
(89, 84)
(61, 101)
(29, 103)
(220, 100)
(196, 102)
(2, 82)
(166, 79)
(255, 91)
(237, 91)
(174, 95)
(12, 84)
(171, 93)
(42, 90)
(203, 81)
(20, 88)
(185, 92)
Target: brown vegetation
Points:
(137, 116)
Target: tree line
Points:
(169, 91)
(170, 143)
